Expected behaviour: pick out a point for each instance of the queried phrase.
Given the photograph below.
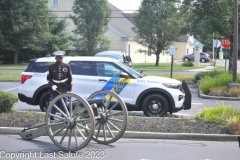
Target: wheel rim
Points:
(203, 60)
(69, 134)
(155, 107)
(186, 59)
(110, 124)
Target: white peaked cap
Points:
(59, 53)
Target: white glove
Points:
(54, 87)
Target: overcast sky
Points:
(126, 4)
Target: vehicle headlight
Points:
(173, 85)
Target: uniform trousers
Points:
(59, 104)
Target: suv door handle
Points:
(104, 80)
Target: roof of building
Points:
(120, 24)
(183, 39)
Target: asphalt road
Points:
(129, 149)
(197, 103)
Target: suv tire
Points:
(44, 101)
(155, 105)
(186, 59)
(203, 60)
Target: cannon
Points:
(82, 120)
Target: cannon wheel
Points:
(110, 123)
(71, 124)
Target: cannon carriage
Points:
(82, 120)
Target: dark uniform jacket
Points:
(60, 74)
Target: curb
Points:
(152, 135)
(201, 95)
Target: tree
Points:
(158, 25)
(207, 17)
(59, 37)
(24, 24)
(91, 18)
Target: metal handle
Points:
(102, 80)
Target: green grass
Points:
(10, 74)
(13, 66)
(218, 68)
(180, 77)
(166, 66)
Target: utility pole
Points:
(234, 83)
(235, 42)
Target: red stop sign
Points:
(225, 43)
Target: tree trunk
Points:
(157, 60)
(15, 58)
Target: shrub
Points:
(221, 79)
(218, 91)
(187, 64)
(225, 115)
(234, 92)
(6, 101)
(233, 125)
(217, 114)
(201, 75)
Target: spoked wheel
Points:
(111, 121)
(71, 122)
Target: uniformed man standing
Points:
(59, 78)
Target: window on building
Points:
(55, 3)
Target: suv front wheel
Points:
(203, 60)
(44, 101)
(155, 105)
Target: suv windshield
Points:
(130, 70)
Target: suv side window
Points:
(40, 67)
(107, 70)
(82, 68)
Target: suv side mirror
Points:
(124, 75)
(140, 70)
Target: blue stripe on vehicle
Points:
(116, 85)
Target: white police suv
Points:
(155, 96)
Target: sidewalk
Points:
(207, 68)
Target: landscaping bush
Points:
(6, 101)
(221, 79)
(218, 91)
(187, 64)
(201, 75)
(224, 115)
(217, 114)
(234, 92)
(233, 125)
(224, 91)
